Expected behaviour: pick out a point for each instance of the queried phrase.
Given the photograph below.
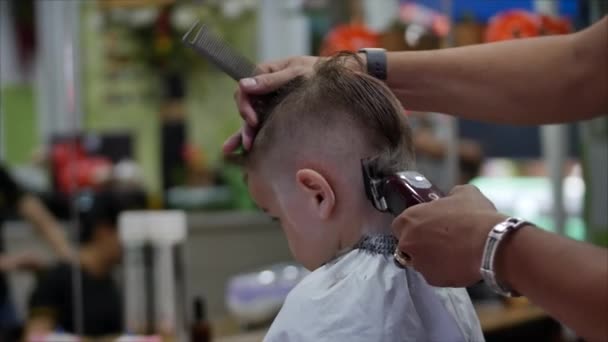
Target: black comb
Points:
(217, 51)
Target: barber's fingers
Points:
(468, 197)
(266, 83)
(243, 137)
(247, 134)
(407, 219)
(276, 65)
(456, 190)
(245, 108)
(274, 75)
(232, 143)
(249, 86)
(407, 226)
(464, 189)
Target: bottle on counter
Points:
(133, 236)
(154, 273)
(201, 330)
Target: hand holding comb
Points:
(217, 51)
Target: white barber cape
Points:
(366, 297)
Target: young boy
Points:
(304, 170)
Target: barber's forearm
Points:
(36, 213)
(528, 81)
(568, 279)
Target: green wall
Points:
(20, 123)
(210, 109)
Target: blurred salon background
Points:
(119, 218)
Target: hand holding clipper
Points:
(396, 192)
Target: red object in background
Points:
(522, 24)
(512, 24)
(73, 169)
(554, 25)
(63, 153)
(349, 37)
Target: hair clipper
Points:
(398, 191)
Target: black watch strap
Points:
(376, 62)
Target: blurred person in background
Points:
(52, 305)
(16, 202)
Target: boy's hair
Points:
(333, 97)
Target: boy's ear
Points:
(319, 192)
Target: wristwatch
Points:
(376, 62)
(495, 236)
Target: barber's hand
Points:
(445, 238)
(275, 74)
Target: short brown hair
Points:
(333, 95)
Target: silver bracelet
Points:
(495, 236)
